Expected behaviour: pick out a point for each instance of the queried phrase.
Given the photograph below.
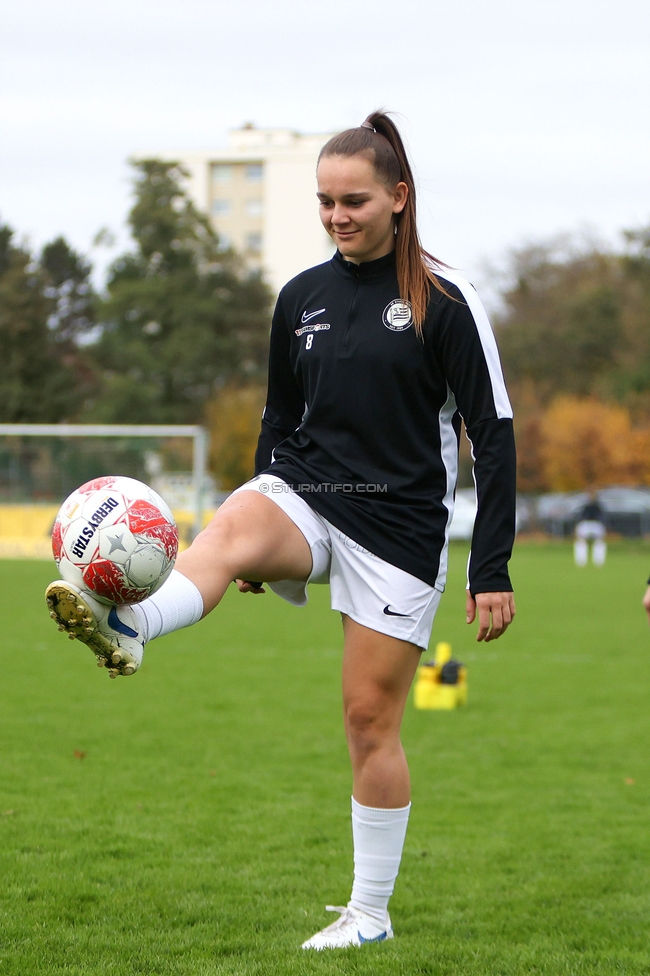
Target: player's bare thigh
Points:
(377, 674)
(250, 537)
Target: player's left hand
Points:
(500, 607)
(245, 586)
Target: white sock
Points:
(378, 837)
(176, 604)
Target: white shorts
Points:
(365, 587)
(589, 529)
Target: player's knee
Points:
(367, 721)
(225, 536)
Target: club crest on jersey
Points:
(398, 315)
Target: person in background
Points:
(590, 527)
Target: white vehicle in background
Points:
(462, 523)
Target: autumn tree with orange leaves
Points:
(585, 442)
(574, 337)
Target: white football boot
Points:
(353, 928)
(110, 632)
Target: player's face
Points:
(358, 210)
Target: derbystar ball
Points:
(116, 537)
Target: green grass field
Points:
(194, 819)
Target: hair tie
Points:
(367, 125)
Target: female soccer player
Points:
(375, 357)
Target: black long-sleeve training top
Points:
(363, 418)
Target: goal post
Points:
(198, 435)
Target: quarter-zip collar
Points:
(378, 268)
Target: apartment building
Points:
(260, 194)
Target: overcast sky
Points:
(524, 119)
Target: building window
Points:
(221, 172)
(224, 242)
(254, 172)
(254, 208)
(221, 208)
(254, 243)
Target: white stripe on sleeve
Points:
(449, 455)
(486, 335)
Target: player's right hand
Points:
(496, 611)
(646, 603)
(245, 586)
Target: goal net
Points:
(41, 464)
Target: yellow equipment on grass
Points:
(442, 683)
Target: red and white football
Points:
(116, 537)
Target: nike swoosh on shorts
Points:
(391, 613)
(306, 316)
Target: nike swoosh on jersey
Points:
(392, 613)
(306, 316)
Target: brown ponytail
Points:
(378, 138)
